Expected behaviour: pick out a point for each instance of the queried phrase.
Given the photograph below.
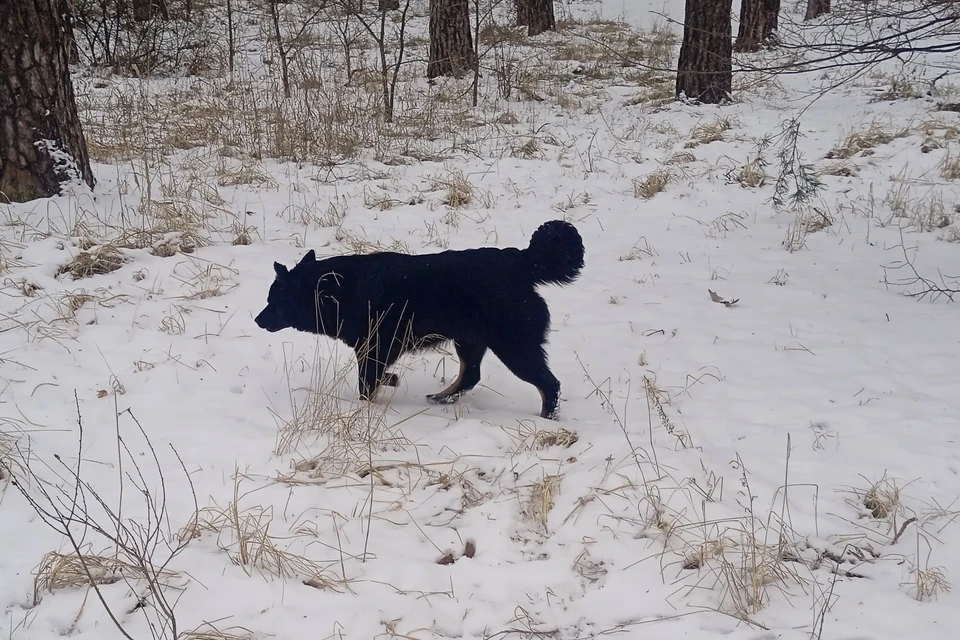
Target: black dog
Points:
(385, 304)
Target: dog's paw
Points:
(391, 380)
(550, 415)
(436, 398)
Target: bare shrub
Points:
(139, 549)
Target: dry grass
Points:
(207, 631)
(864, 141)
(355, 243)
(540, 501)
(807, 221)
(529, 437)
(203, 279)
(98, 260)
(653, 183)
(713, 131)
(656, 399)
(950, 167)
(459, 191)
(70, 571)
(897, 87)
(926, 212)
(244, 535)
(753, 173)
(681, 158)
(841, 170)
(10, 435)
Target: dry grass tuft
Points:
(244, 535)
(98, 260)
(882, 499)
(656, 398)
(529, 437)
(841, 170)
(753, 173)
(950, 167)
(355, 243)
(927, 583)
(681, 158)
(707, 132)
(207, 631)
(69, 571)
(653, 183)
(459, 190)
(10, 435)
(926, 213)
(541, 499)
(864, 141)
(807, 221)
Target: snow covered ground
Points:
(782, 467)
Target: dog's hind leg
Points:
(470, 357)
(391, 380)
(529, 363)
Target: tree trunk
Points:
(73, 52)
(41, 140)
(536, 15)
(705, 69)
(144, 10)
(771, 18)
(816, 8)
(389, 5)
(753, 24)
(451, 45)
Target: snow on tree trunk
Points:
(41, 140)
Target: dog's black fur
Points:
(385, 304)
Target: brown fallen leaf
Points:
(719, 300)
(469, 549)
(447, 559)
(103, 393)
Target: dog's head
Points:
(283, 305)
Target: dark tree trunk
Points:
(144, 10)
(771, 18)
(451, 45)
(705, 69)
(753, 23)
(73, 53)
(816, 8)
(536, 15)
(41, 140)
(389, 5)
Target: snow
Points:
(781, 410)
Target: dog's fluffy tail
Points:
(555, 253)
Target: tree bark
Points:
(73, 52)
(41, 140)
(771, 20)
(759, 20)
(816, 8)
(536, 15)
(451, 45)
(144, 10)
(753, 23)
(705, 69)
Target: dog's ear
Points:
(280, 270)
(308, 258)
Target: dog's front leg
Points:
(370, 375)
